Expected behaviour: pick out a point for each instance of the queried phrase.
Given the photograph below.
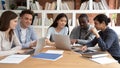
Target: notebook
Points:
(48, 56)
(94, 54)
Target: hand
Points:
(21, 51)
(73, 41)
(83, 48)
(33, 44)
(95, 32)
(48, 42)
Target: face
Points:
(26, 20)
(83, 22)
(62, 22)
(98, 25)
(13, 23)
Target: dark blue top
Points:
(108, 41)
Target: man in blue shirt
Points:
(24, 31)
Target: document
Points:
(103, 60)
(55, 51)
(48, 56)
(14, 59)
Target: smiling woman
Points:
(8, 22)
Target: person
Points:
(59, 26)
(8, 22)
(106, 38)
(82, 33)
(24, 30)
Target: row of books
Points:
(47, 22)
(68, 5)
(102, 5)
(10, 4)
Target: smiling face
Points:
(26, 20)
(83, 22)
(62, 22)
(13, 23)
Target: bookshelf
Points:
(73, 12)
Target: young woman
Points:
(59, 26)
(106, 39)
(8, 22)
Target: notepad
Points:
(103, 60)
(14, 59)
(48, 56)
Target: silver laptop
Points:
(62, 42)
(39, 46)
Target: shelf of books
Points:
(46, 11)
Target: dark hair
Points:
(5, 19)
(101, 18)
(82, 16)
(27, 11)
(55, 24)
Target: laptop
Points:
(62, 42)
(39, 46)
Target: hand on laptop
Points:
(83, 48)
(33, 44)
(73, 41)
(21, 51)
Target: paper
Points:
(15, 59)
(103, 60)
(55, 51)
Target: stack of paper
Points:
(50, 55)
(16, 59)
(103, 60)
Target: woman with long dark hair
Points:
(59, 26)
(8, 22)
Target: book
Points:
(94, 54)
(48, 56)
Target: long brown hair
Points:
(5, 19)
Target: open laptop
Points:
(39, 46)
(63, 42)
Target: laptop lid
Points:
(62, 42)
(39, 46)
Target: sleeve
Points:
(8, 52)
(33, 37)
(107, 43)
(33, 34)
(73, 33)
(49, 33)
(82, 41)
(16, 42)
(92, 43)
(66, 31)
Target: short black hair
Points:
(27, 11)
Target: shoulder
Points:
(51, 28)
(76, 28)
(1, 33)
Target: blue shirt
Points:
(108, 41)
(30, 36)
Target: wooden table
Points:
(70, 59)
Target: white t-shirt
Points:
(23, 35)
(52, 31)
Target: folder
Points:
(48, 56)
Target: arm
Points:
(82, 41)
(49, 34)
(9, 51)
(30, 39)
